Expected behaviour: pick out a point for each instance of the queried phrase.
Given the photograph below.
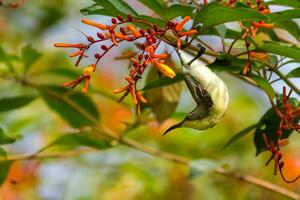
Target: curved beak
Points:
(173, 127)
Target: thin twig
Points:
(206, 44)
(71, 153)
(234, 41)
(285, 79)
(259, 182)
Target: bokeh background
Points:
(120, 173)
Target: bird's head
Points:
(196, 120)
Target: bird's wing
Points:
(200, 95)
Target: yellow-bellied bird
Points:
(209, 92)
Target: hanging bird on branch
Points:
(208, 91)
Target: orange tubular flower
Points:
(121, 36)
(165, 69)
(74, 83)
(180, 25)
(246, 68)
(140, 97)
(64, 45)
(178, 44)
(253, 31)
(123, 89)
(113, 39)
(190, 32)
(107, 35)
(97, 25)
(86, 84)
(133, 96)
(262, 24)
(77, 53)
(258, 55)
(88, 70)
(265, 11)
(150, 49)
(133, 30)
(161, 56)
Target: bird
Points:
(208, 90)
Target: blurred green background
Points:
(119, 173)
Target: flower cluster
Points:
(123, 30)
(252, 30)
(277, 156)
(289, 114)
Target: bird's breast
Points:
(213, 84)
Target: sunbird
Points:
(208, 91)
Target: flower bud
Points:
(97, 25)
(129, 17)
(165, 69)
(180, 25)
(114, 20)
(104, 47)
(281, 165)
(100, 35)
(120, 18)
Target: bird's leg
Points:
(199, 54)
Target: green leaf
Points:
(49, 17)
(155, 6)
(226, 62)
(3, 55)
(199, 18)
(11, 103)
(222, 30)
(65, 72)
(29, 56)
(96, 10)
(110, 8)
(162, 100)
(163, 81)
(220, 15)
(285, 15)
(153, 20)
(75, 140)
(6, 58)
(264, 84)
(4, 139)
(239, 135)
(295, 73)
(180, 10)
(269, 125)
(241, 5)
(290, 3)
(74, 107)
(4, 169)
(283, 50)
(121, 6)
(2, 153)
(202, 166)
(102, 7)
(290, 26)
